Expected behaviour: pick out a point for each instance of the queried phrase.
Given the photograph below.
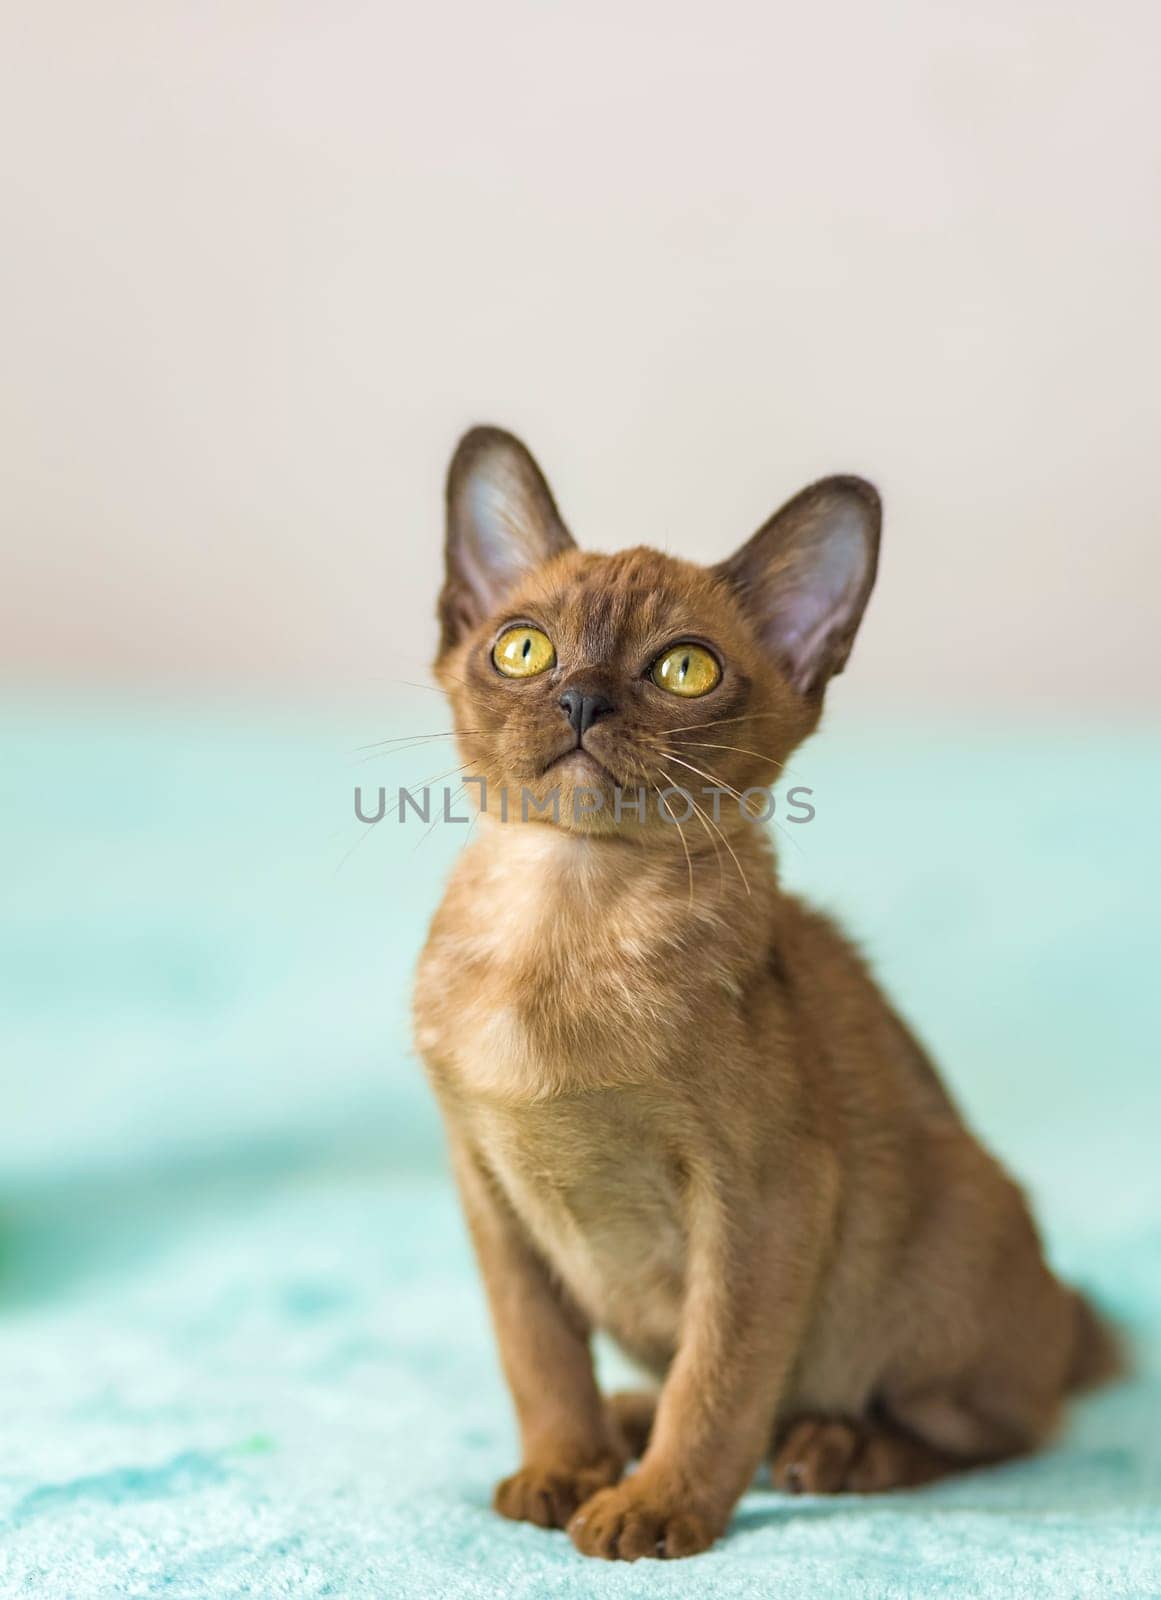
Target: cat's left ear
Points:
(502, 523)
(806, 576)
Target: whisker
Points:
(448, 673)
(471, 826)
(434, 687)
(410, 683)
(451, 771)
(720, 722)
(462, 790)
(707, 819)
(735, 794)
(702, 819)
(788, 836)
(713, 779)
(703, 744)
(347, 854)
(401, 750)
(681, 836)
(369, 827)
(415, 738)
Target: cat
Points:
(678, 1108)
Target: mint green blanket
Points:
(242, 1346)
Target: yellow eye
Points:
(686, 669)
(523, 652)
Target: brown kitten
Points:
(679, 1108)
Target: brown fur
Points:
(679, 1108)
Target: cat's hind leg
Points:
(832, 1455)
(913, 1438)
(631, 1412)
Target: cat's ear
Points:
(806, 575)
(502, 522)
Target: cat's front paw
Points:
(549, 1493)
(632, 1520)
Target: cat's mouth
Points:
(579, 762)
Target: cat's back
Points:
(862, 1053)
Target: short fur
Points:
(678, 1106)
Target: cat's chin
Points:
(581, 766)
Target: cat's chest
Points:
(543, 975)
(600, 1191)
(513, 1028)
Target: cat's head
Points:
(574, 674)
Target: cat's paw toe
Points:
(815, 1456)
(549, 1495)
(625, 1523)
(820, 1455)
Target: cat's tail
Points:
(1098, 1352)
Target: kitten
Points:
(678, 1107)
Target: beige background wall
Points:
(264, 261)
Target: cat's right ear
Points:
(502, 522)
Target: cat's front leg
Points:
(753, 1267)
(569, 1450)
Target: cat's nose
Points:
(582, 707)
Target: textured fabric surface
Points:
(243, 1350)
